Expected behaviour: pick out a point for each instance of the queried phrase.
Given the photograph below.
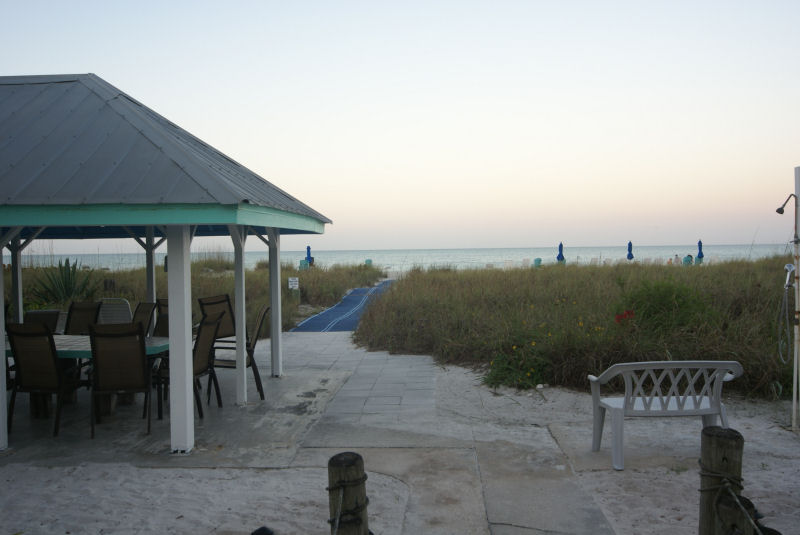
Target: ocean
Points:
(401, 260)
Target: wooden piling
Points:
(347, 494)
(720, 465)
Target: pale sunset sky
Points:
(453, 124)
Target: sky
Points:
(460, 124)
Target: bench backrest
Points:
(670, 387)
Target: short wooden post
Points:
(347, 494)
(720, 464)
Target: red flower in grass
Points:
(628, 314)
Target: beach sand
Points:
(482, 461)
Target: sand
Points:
(656, 493)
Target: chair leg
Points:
(11, 408)
(709, 420)
(617, 419)
(147, 402)
(597, 427)
(257, 377)
(723, 415)
(197, 400)
(92, 402)
(159, 393)
(212, 376)
(59, 402)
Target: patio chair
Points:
(251, 349)
(202, 364)
(119, 365)
(38, 368)
(114, 310)
(221, 304)
(144, 315)
(45, 317)
(162, 318)
(80, 316)
(203, 358)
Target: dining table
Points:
(79, 346)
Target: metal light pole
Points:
(796, 271)
(796, 298)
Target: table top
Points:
(71, 346)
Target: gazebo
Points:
(80, 159)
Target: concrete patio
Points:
(444, 455)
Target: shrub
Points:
(585, 318)
(64, 283)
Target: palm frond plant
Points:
(61, 284)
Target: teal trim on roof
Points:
(155, 214)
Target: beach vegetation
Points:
(55, 287)
(61, 284)
(557, 324)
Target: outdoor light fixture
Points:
(780, 208)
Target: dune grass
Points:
(212, 275)
(557, 324)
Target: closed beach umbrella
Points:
(630, 251)
(560, 256)
(699, 259)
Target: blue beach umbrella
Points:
(630, 251)
(560, 256)
(700, 255)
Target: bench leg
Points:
(617, 420)
(597, 427)
(709, 420)
(723, 415)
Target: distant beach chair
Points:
(526, 262)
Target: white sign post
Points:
(294, 283)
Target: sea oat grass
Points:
(213, 275)
(559, 323)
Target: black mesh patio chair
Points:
(162, 318)
(81, 315)
(251, 349)
(45, 317)
(202, 365)
(38, 369)
(221, 304)
(119, 365)
(144, 314)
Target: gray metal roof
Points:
(78, 140)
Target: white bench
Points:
(660, 388)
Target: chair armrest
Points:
(594, 383)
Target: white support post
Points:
(3, 412)
(239, 235)
(181, 398)
(150, 264)
(274, 237)
(796, 298)
(16, 278)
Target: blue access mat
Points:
(344, 316)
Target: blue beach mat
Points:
(343, 316)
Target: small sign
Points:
(294, 283)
